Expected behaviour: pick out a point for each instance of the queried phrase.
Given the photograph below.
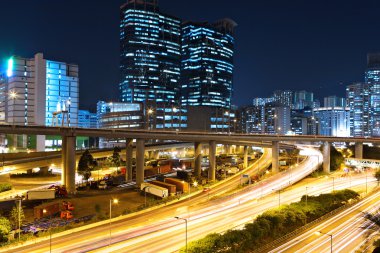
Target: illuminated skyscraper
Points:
(34, 91)
(149, 54)
(358, 100)
(372, 78)
(207, 63)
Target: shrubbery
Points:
(5, 187)
(272, 224)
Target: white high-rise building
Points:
(36, 91)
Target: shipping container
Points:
(155, 190)
(182, 186)
(171, 187)
(46, 210)
(40, 194)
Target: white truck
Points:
(154, 190)
(40, 194)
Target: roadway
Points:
(349, 229)
(158, 231)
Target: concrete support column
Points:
(212, 159)
(63, 153)
(359, 150)
(227, 149)
(245, 159)
(128, 158)
(140, 152)
(197, 158)
(156, 154)
(326, 157)
(275, 157)
(70, 164)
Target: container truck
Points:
(155, 190)
(40, 194)
(171, 187)
(182, 186)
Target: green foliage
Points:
(5, 228)
(272, 224)
(377, 175)
(5, 187)
(336, 159)
(86, 164)
(97, 208)
(115, 158)
(14, 216)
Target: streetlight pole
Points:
(331, 239)
(179, 218)
(112, 201)
(279, 196)
(19, 218)
(333, 186)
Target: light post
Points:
(150, 112)
(19, 217)
(366, 181)
(331, 239)
(112, 201)
(179, 218)
(45, 211)
(13, 96)
(145, 188)
(174, 110)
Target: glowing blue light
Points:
(10, 67)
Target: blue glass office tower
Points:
(207, 63)
(149, 54)
(372, 78)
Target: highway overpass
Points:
(69, 135)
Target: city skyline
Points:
(301, 46)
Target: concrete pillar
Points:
(212, 159)
(156, 154)
(275, 157)
(140, 152)
(128, 158)
(359, 150)
(63, 151)
(326, 157)
(197, 159)
(227, 149)
(245, 159)
(70, 164)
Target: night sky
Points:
(319, 46)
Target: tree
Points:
(377, 175)
(14, 216)
(336, 159)
(5, 228)
(115, 158)
(86, 164)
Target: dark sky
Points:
(315, 45)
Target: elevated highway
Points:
(69, 135)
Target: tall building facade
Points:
(303, 99)
(207, 63)
(283, 97)
(372, 78)
(36, 91)
(333, 121)
(334, 101)
(358, 101)
(150, 54)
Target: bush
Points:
(5, 228)
(5, 187)
(272, 224)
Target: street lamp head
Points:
(115, 201)
(13, 94)
(150, 111)
(195, 184)
(44, 211)
(318, 233)
(177, 217)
